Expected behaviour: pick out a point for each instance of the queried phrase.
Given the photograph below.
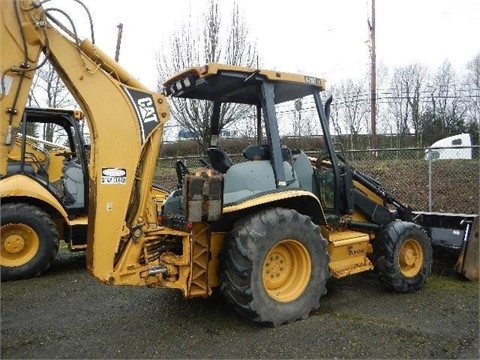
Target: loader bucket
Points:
(468, 262)
(455, 242)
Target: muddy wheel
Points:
(403, 256)
(29, 241)
(274, 266)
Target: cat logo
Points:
(145, 109)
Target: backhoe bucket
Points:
(454, 240)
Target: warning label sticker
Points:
(114, 176)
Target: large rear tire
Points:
(402, 255)
(274, 266)
(29, 241)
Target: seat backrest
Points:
(219, 159)
(304, 171)
(15, 167)
(261, 152)
(73, 185)
(256, 152)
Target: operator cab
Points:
(267, 99)
(60, 162)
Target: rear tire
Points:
(402, 255)
(29, 241)
(274, 266)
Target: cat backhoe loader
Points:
(44, 195)
(267, 232)
(125, 123)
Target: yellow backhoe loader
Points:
(44, 188)
(268, 232)
(44, 194)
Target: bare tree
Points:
(335, 112)
(407, 87)
(352, 109)
(48, 90)
(190, 46)
(446, 113)
(472, 82)
(384, 124)
(447, 102)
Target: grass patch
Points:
(454, 283)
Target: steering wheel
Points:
(324, 156)
(68, 155)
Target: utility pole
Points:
(373, 81)
(119, 41)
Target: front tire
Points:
(29, 241)
(274, 266)
(403, 256)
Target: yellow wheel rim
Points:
(286, 270)
(410, 258)
(20, 243)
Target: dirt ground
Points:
(67, 314)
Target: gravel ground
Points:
(67, 314)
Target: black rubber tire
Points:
(387, 256)
(244, 255)
(28, 217)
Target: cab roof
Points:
(236, 84)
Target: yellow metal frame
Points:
(23, 186)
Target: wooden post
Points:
(373, 83)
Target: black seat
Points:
(219, 159)
(256, 152)
(262, 152)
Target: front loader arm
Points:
(125, 122)
(404, 212)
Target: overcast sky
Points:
(321, 38)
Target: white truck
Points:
(452, 147)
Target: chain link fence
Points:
(446, 183)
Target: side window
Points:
(457, 142)
(434, 155)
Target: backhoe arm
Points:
(20, 51)
(125, 121)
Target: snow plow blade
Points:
(455, 242)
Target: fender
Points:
(308, 203)
(24, 186)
